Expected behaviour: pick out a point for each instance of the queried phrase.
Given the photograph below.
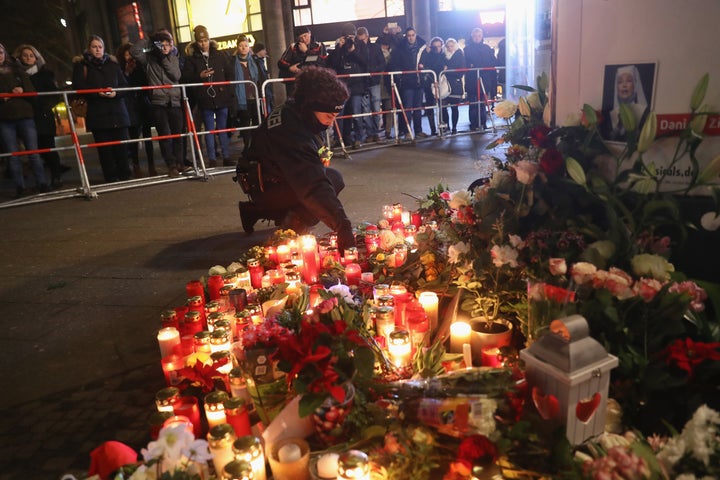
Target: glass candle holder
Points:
(169, 318)
(188, 407)
(201, 342)
(353, 465)
(290, 459)
(238, 470)
(283, 253)
(400, 348)
(212, 318)
(237, 415)
(384, 318)
(397, 210)
(238, 298)
(243, 278)
(372, 239)
(352, 273)
(256, 272)
(168, 338)
(171, 366)
(192, 323)
(166, 398)
(249, 448)
(220, 339)
(380, 289)
(293, 281)
(194, 288)
(311, 258)
(214, 403)
(214, 284)
(429, 302)
(220, 440)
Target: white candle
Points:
(168, 338)
(467, 355)
(459, 335)
(429, 302)
(289, 452)
(327, 466)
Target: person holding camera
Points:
(304, 52)
(162, 65)
(351, 56)
(286, 173)
(205, 63)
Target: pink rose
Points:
(558, 266)
(619, 283)
(647, 288)
(698, 295)
(525, 171)
(445, 196)
(582, 272)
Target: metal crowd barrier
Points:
(89, 191)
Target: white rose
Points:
(525, 171)
(558, 266)
(506, 109)
(456, 250)
(653, 266)
(605, 248)
(583, 272)
(504, 255)
(459, 199)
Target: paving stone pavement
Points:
(84, 283)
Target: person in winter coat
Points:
(205, 63)
(289, 180)
(406, 56)
(479, 55)
(107, 115)
(162, 67)
(304, 52)
(138, 107)
(43, 80)
(373, 101)
(432, 58)
(246, 94)
(350, 56)
(455, 60)
(259, 54)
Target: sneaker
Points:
(187, 169)
(421, 135)
(453, 132)
(374, 138)
(173, 172)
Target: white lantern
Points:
(568, 373)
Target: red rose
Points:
(539, 136)
(552, 161)
(477, 448)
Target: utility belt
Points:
(251, 178)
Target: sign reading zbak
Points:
(673, 123)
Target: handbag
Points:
(78, 107)
(443, 87)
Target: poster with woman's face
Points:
(631, 84)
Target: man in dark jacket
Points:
(287, 176)
(304, 52)
(373, 101)
(205, 63)
(406, 57)
(349, 57)
(479, 55)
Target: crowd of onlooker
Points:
(113, 115)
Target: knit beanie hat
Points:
(348, 29)
(201, 33)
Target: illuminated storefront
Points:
(225, 19)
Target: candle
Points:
(283, 253)
(194, 288)
(418, 325)
(215, 408)
(387, 212)
(293, 462)
(380, 289)
(238, 386)
(405, 217)
(352, 273)
(350, 255)
(367, 277)
(384, 321)
(293, 281)
(188, 407)
(192, 323)
(416, 219)
(243, 279)
(220, 441)
(256, 272)
(459, 334)
(220, 339)
(401, 253)
(238, 470)
(429, 302)
(327, 466)
(215, 283)
(169, 318)
(249, 449)
(157, 421)
(171, 365)
(175, 420)
(238, 298)
(201, 342)
(410, 232)
(372, 239)
(310, 258)
(353, 465)
(266, 281)
(236, 414)
(277, 276)
(491, 357)
(168, 338)
(399, 348)
(271, 254)
(467, 355)
(397, 210)
(165, 398)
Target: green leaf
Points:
(364, 361)
(524, 87)
(543, 82)
(575, 170)
(590, 114)
(645, 185)
(627, 117)
(698, 94)
(711, 172)
(647, 136)
(309, 402)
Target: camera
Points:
(348, 41)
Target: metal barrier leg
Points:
(411, 132)
(346, 154)
(86, 189)
(196, 140)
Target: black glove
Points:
(345, 239)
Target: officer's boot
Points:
(249, 215)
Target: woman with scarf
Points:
(246, 69)
(628, 90)
(43, 80)
(16, 120)
(107, 115)
(455, 61)
(205, 63)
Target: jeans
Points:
(412, 98)
(169, 120)
(372, 103)
(24, 128)
(218, 118)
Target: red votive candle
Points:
(491, 357)
(171, 365)
(416, 219)
(283, 253)
(310, 258)
(169, 319)
(236, 414)
(256, 272)
(352, 273)
(188, 407)
(195, 288)
(215, 283)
